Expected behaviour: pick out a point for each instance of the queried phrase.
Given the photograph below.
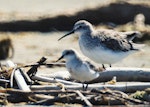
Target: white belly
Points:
(83, 76)
(99, 55)
(81, 73)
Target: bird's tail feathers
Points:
(130, 35)
(138, 46)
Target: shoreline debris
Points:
(32, 91)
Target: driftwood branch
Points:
(20, 81)
(64, 98)
(26, 77)
(4, 81)
(19, 78)
(84, 98)
(45, 64)
(125, 74)
(33, 69)
(53, 80)
(12, 74)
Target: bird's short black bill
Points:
(60, 58)
(66, 34)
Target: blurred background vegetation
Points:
(51, 15)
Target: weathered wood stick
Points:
(32, 71)
(4, 81)
(45, 64)
(37, 97)
(56, 99)
(26, 77)
(43, 87)
(20, 81)
(53, 80)
(84, 98)
(19, 78)
(51, 92)
(12, 75)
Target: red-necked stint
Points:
(104, 46)
(79, 69)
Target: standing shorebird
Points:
(103, 46)
(80, 70)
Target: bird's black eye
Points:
(80, 26)
(67, 53)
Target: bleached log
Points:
(125, 74)
(19, 78)
(124, 87)
(121, 86)
(20, 81)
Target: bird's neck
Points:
(88, 33)
(85, 32)
(75, 60)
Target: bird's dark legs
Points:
(109, 65)
(84, 87)
(103, 66)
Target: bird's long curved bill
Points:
(60, 58)
(66, 34)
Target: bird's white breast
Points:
(101, 55)
(81, 72)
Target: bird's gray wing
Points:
(113, 41)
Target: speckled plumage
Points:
(108, 39)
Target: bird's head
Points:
(79, 28)
(67, 54)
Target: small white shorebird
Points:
(104, 46)
(80, 70)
